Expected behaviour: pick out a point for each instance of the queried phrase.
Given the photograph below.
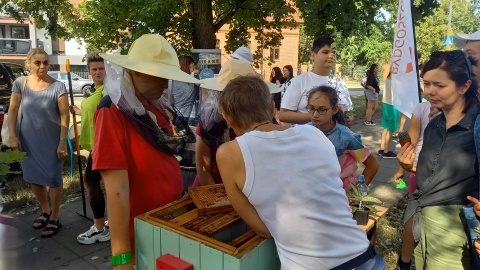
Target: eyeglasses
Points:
(39, 63)
(452, 55)
(321, 111)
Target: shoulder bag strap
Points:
(24, 82)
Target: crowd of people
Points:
(250, 136)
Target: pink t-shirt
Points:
(421, 111)
(348, 163)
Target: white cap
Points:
(461, 39)
(244, 54)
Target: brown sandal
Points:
(43, 222)
(52, 229)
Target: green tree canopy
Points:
(430, 30)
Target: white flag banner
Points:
(405, 81)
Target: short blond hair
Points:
(247, 100)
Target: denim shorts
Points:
(376, 263)
(370, 95)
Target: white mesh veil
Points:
(119, 87)
(211, 122)
(209, 113)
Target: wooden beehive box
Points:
(215, 241)
(210, 199)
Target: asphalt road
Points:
(356, 91)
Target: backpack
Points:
(364, 82)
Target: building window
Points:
(217, 44)
(275, 53)
(20, 32)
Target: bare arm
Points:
(293, 117)
(371, 168)
(64, 121)
(15, 100)
(405, 157)
(118, 206)
(232, 168)
(204, 162)
(75, 110)
(414, 129)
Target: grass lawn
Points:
(359, 108)
(389, 233)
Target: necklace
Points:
(262, 124)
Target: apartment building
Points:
(16, 39)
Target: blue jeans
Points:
(376, 263)
(472, 223)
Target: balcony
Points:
(12, 46)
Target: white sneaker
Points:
(93, 235)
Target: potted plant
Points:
(362, 205)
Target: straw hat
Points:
(152, 54)
(244, 54)
(230, 70)
(461, 39)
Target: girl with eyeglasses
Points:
(447, 170)
(328, 117)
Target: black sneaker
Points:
(381, 152)
(389, 154)
(401, 265)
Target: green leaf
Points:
(8, 157)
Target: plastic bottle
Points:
(362, 187)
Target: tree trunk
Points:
(203, 31)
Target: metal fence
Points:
(83, 74)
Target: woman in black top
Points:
(447, 169)
(277, 78)
(288, 76)
(371, 93)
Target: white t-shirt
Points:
(296, 95)
(387, 92)
(300, 198)
(421, 111)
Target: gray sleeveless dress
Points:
(40, 134)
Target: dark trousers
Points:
(94, 190)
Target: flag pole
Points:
(77, 145)
(416, 54)
(447, 47)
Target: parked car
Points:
(79, 84)
(8, 73)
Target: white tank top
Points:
(293, 181)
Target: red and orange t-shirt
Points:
(154, 177)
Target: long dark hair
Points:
(459, 69)
(185, 61)
(278, 75)
(290, 69)
(371, 70)
(332, 95)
